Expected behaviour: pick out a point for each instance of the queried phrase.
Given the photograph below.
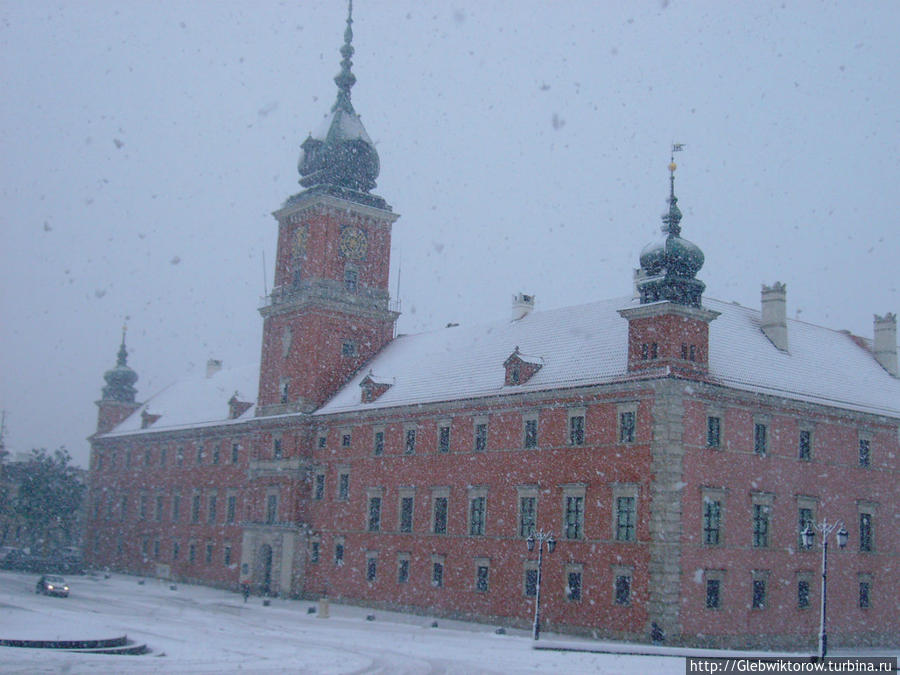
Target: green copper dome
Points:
(341, 153)
(120, 380)
(670, 265)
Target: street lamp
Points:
(540, 538)
(809, 536)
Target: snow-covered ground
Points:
(202, 630)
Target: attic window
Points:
(520, 367)
(147, 419)
(372, 387)
(236, 407)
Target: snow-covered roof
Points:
(198, 401)
(586, 344)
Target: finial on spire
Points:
(122, 359)
(672, 219)
(346, 79)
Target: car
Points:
(52, 584)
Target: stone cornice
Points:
(665, 307)
(326, 203)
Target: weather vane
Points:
(676, 147)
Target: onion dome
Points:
(120, 380)
(670, 265)
(341, 153)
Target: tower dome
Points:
(340, 153)
(120, 380)
(670, 265)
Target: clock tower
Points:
(329, 311)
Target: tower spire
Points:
(672, 218)
(122, 358)
(346, 79)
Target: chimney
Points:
(774, 314)
(522, 305)
(885, 343)
(213, 366)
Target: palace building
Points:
(674, 445)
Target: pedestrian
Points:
(245, 590)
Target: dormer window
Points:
(236, 407)
(148, 419)
(520, 368)
(372, 387)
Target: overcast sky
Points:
(145, 145)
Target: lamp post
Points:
(809, 537)
(540, 538)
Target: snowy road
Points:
(201, 630)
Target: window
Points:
(406, 512)
(145, 547)
(142, 507)
(527, 514)
(625, 517)
(176, 549)
(573, 521)
(866, 538)
(760, 579)
(761, 513)
(531, 433)
(195, 509)
(348, 348)
(374, 513)
(378, 444)
(230, 508)
(339, 552)
(802, 593)
(158, 513)
(482, 576)
(622, 585)
(322, 441)
(179, 456)
(351, 279)
(477, 515)
(124, 509)
(319, 487)
(439, 517)
(176, 508)
(437, 571)
(209, 553)
(804, 518)
(712, 521)
(444, 439)
(346, 440)
(480, 437)
(402, 568)
(226, 559)
(211, 510)
(192, 553)
(530, 579)
(156, 549)
(805, 445)
(626, 426)
(276, 448)
(314, 551)
(410, 441)
(576, 429)
(864, 452)
(865, 591)
(573, 583)
(235, 450)
(515, 376)
(200, 453)
(217, 453)
(713, 593)
(284, 390)
(147, 457)
(371, 567)
(343, 493)
(760, 438)
(760, 525)
(271, 508)
(654, 350)
(713, 432)
(162, 456)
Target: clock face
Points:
(353, 243)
